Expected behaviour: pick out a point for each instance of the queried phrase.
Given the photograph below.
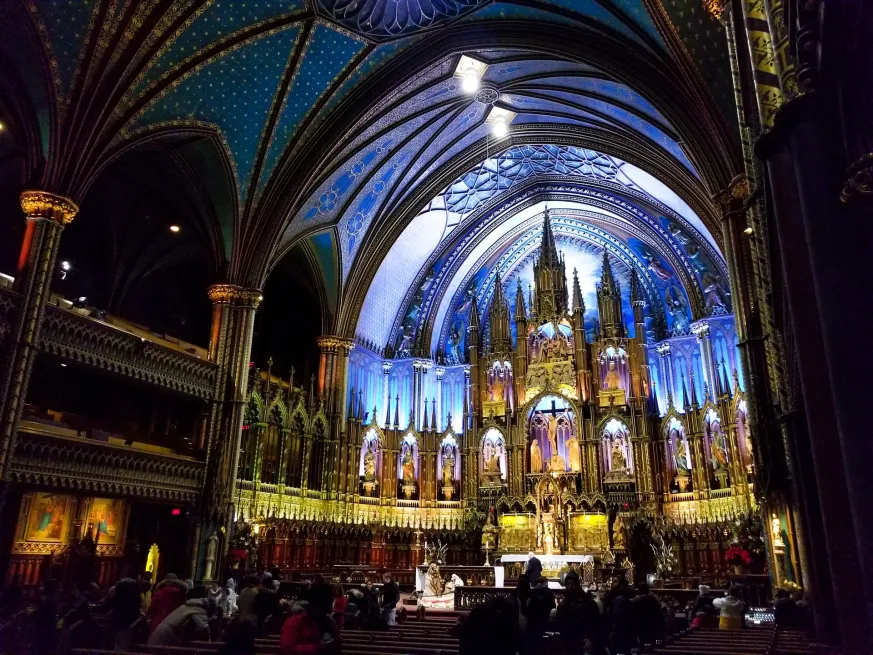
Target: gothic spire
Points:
(425, 426)
(498, 320)
(635, 288)
(397, 412)
(607, 280)
(520, 314)
(474, 315)
(433, 419)
(548, 250)
(387, 413)
(609, 303)
(578, 303)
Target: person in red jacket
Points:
(309, 630)
(169, 594)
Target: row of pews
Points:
(432, 637)
(767, 640)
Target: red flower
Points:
(237, 555)
(738, 556)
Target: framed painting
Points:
(107, 518)
(49, 518)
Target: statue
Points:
(618, 533)
(408, 468)
(536, 457)
(552, 433)
(619, 462)
(719, 457)
(435, 585)
(369, 466)
(613, 379)
(681, 455)
(448, 470)
(497, 386)
(548, 537)
(211, 550)
(712, 291)
(574, 454)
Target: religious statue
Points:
(681, 456)
(552, 433)
(549, 537)
(712, 291)
(574, 454)
(776, 528)
(618, 533)
(719, 457)
(435, 585)
(448, 470)
(493, 464)
(613, 379)
(369, 466)
(536, 457)
(408, 468)
(619, 461)
(211, 550)
(497, 386)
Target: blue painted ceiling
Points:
(265, 74)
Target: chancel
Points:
(342, 290)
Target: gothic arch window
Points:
(492, 454)
(616, 450)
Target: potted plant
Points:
(738, 557)
(237, 555)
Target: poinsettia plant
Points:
(737, 556)
(237, 555)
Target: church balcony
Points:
(121, 348)
(63, 458)
(368, 500)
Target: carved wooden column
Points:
(233, 319)
(46, 215)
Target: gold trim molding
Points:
(42, 204)
(231, 294)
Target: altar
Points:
(552, 565)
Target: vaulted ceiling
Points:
(329, 124)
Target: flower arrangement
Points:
(738, 556)
(237, 555)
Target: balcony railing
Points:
(118, 347)
(58, 457)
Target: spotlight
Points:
(175, 228)
(63, 366)
(470, 71)
(748, 230)
(65, 265)
(499, 119)
(500, 129)
(470, 81)
(2, 127)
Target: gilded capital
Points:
(738, 190)
(715, 7)
(231, 294)
(42, 204)
(331, 342)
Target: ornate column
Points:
(417, 405)
(440, 371)
(233, 319)
(386, 383)
(664, 350)
(422, 392)
(46, 215)
(701, 331)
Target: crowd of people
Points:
(309, 616)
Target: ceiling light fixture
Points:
(470, 72)
(748, 230)
(175, 228)
(2, 127)
(65, 265)
(499, 120)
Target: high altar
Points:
(577, 438)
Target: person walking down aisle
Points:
(390, 598)
(534, 568)
(731, 609)
(577, 617)
(647, 615)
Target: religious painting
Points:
(49, 518)
(106, 520)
